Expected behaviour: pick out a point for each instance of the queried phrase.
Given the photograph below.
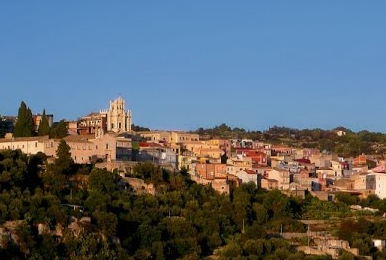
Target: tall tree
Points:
(24, 126)
(2, 127)
(60, 130)
(44, 127)
(64, 161)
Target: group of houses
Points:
(106, 136)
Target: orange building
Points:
(211, 170)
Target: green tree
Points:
(64, 161)
(103, 181)
(2, 127)
(60, 130)
(44, 128)
(106, 222)
(24, 126)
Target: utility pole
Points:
(281, 229)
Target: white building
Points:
(247, 176)
(380, 184)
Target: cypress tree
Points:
(64, 161)
(2, 127)
(24, 126)
(60, 129)
(44, 128)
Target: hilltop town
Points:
(328, 167)
(107, 137)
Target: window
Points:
(107, 146)
(36, 144)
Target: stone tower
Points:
(118, 119)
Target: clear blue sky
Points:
(186, 64)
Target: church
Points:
(118, 120)
(115, 119)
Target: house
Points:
(281, 150)
(262, 170)
(237, 164)
(210, 171)
(360, 160)
(187, 162)
(282, 176)
(359, 181)
(303, 179)
(337, 168)
(248, 176)
(157, 153)
(296, 190)
(380, 184)
(276, 161)
(326, 172)
(269, 184)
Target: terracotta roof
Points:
(79, 138)
(145, 144)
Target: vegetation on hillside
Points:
(184, 220)
(349, 145)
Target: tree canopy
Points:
(44, 128)
(60, 130)
(24, 126)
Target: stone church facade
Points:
(118, 119)
(115, 119)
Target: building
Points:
(115, 119)
(169, 137)
(118, 119)
(269, 184)
(91, 123)
(380, 184)
(248, 176)
(89, 148)
(157, 153)
(282, 176)
(211, 170)
(28, 145)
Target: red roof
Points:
(145, 144)
(303, 161)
